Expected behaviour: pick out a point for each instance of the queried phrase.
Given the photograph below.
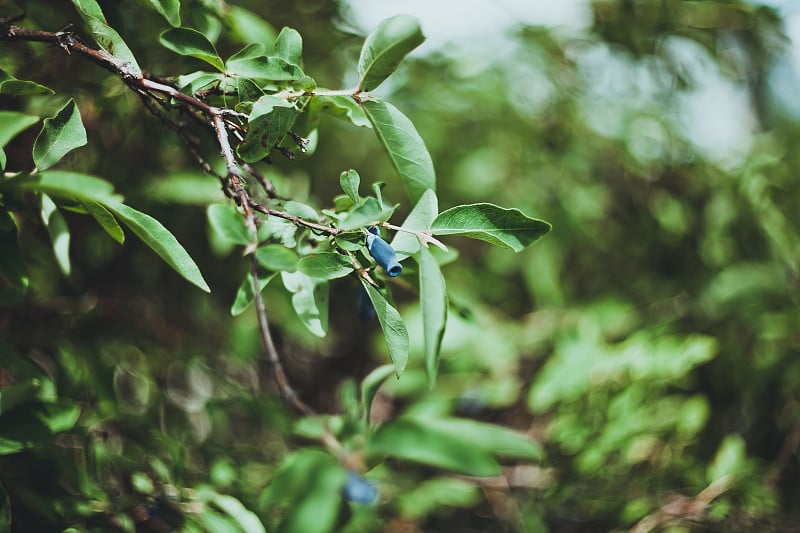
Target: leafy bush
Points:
(350, 369)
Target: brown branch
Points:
(298, 221)
(684, 508)
(281, 379)
(219, 120)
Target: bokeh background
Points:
(650, 343)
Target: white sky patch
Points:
(474, 23)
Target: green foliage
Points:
(643, 354)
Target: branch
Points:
(683, 507)
(219, 120)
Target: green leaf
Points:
(497, 440)
(190, 188)
(106, 219)
(433, 299)
(199, 81)
(369, 212)
(245, 294)
(417, 440)
(370, 386)
(246, 519)
(229, 224)
(405, 147)
(18, 394)
(310, 298)
(289, 45)
(169, 9)
(306, 489)
(504, 227)
(70, 185)
(190, 42)
(59, 232)
(60, 134)
(394, 329)
(162, 242)
(107, 38)
(350, 180)
(420, 218)
(12, 86)
(277, 257)
(325, 265)
(269, 121)
(12, 123)
(343, 107)
(12, 267)
(248, 90)
(265, 68)
(441, 492)
(384, 49)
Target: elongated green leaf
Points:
(12, 123)
(370, 386)
(59, 232)
(420, 218)
(269, 121)
(405, 147)
(169, 9)
(245, 518)
(228, 224)
(394, 329)
(12, 86)
(60, 134)
(433, 299)
(245, 294)
(343, 107)
(107, 38)
(190, 42)
(504, 227)
(68, 185)
(12, 267)
(350, 180)
(265, 68)
(185, 187)
(289, 45)
(496, 440)
(106, 219)
(384, 49)
(326, 265)
(277, 257)
(414, 440)
(162, 242)
(310, 298)
(369, 212)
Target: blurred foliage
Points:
(649, 344)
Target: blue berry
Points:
(384, 254)
(359, 490)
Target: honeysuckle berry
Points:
(359, 490)
(383, 253)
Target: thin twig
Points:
(284, 387)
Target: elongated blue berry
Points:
(384, 255)
(359, 490)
